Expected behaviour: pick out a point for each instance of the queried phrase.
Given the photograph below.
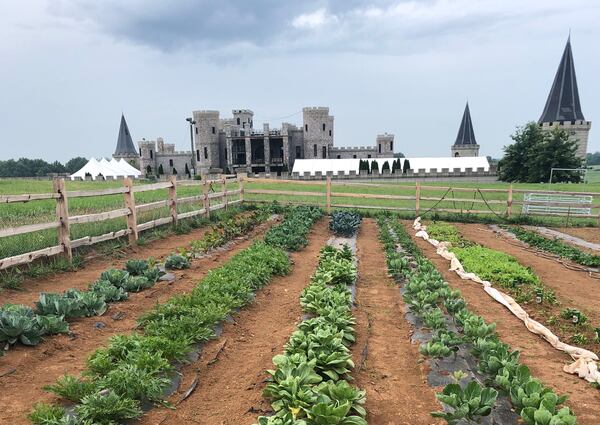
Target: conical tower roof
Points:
(466, 136)
(563, 100)
(125, 146)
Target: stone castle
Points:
(232, 145)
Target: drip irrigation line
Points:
(502, 218)
(440, 200)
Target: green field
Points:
(16, 214)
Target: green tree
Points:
(161, 171)
(536, 152)
(593, 158)
(399, 155)
(187, 171)
(75, 164)
(406, 166)
(374, 166)
(148, 170)
(385, 167)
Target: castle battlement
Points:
(323, 109)
(352, 148)
(575, 123)
(242, 111)
(206, 112)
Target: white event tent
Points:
(103, 168)
(346, 165)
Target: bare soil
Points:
(388, 365)
(545, 362)
(590, 234)
(576, 289)
(24, 371)
(231, 370)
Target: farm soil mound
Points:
(230, 373)
(386, 360)
(590, 234)
(545, 362)
(24, 371)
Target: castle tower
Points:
(318, 132)
(384, 145)
(206, 140)
(465, 144)
(563, 107)
(125, 147)
(244, 118)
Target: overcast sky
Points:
(69, 67)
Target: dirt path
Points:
(545, 362)
(35, 367)
(572, 288)
(231, 369)
(80, 279)
(590, 234)
(396, 384)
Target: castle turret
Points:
(125, 147)
(244, 118)
(465, 143)
(563, 107)
(385, 145)
(207, 140)
(318, 132)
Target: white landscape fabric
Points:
(346, 165)
(104, 168)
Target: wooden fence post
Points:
(62, 214)
(417, 198)
(509, 201)
(224, 190)
(173, 198)
(328, 194)
(132, 216)
(206, 201)
(241, 187)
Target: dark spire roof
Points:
(125, 145)
(466, 136)
(563, 100)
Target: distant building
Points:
(465, 143)
(233, 144)
(563, 107)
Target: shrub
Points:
(345, 223)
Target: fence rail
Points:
(130, 210)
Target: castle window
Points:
(170, 162)
(315, 151)
(225, 153)
(196, 130)
(330, 133)
(340, 156)
(214, 130)
(323, 126)
(298, 152)
(354, 156)
(380, 148)
(324, 151)
(151, 154)
(392, 146)
(369, 156)
(238, 121)
(305, 127)
(205, 152)
(197, 154)
(140, 151)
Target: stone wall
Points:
(318, 131)
(361, 152)
(579, 131)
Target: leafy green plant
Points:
(52, 325)
(177, 261)
(108, 291)
(46, 414)
(115, 276)
(107, 408)
(71, 388)
(469, 403)
(18, 323)
(291, 234)
(345, 223)
(574, 315)
(435, 349)
(137, 284)
(136, 267)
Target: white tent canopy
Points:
(103, 168)
(346, 165)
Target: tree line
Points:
(25, 167)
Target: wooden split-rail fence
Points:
(64, 220)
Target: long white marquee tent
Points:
(346, 165)
(103, 168)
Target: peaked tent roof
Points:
(465, 135)
(563, 100)
(125, 145)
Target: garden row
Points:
(555, 246)
(431, 299)
(19, 323)
(136, 370)
(309, 385)
(521, 283)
